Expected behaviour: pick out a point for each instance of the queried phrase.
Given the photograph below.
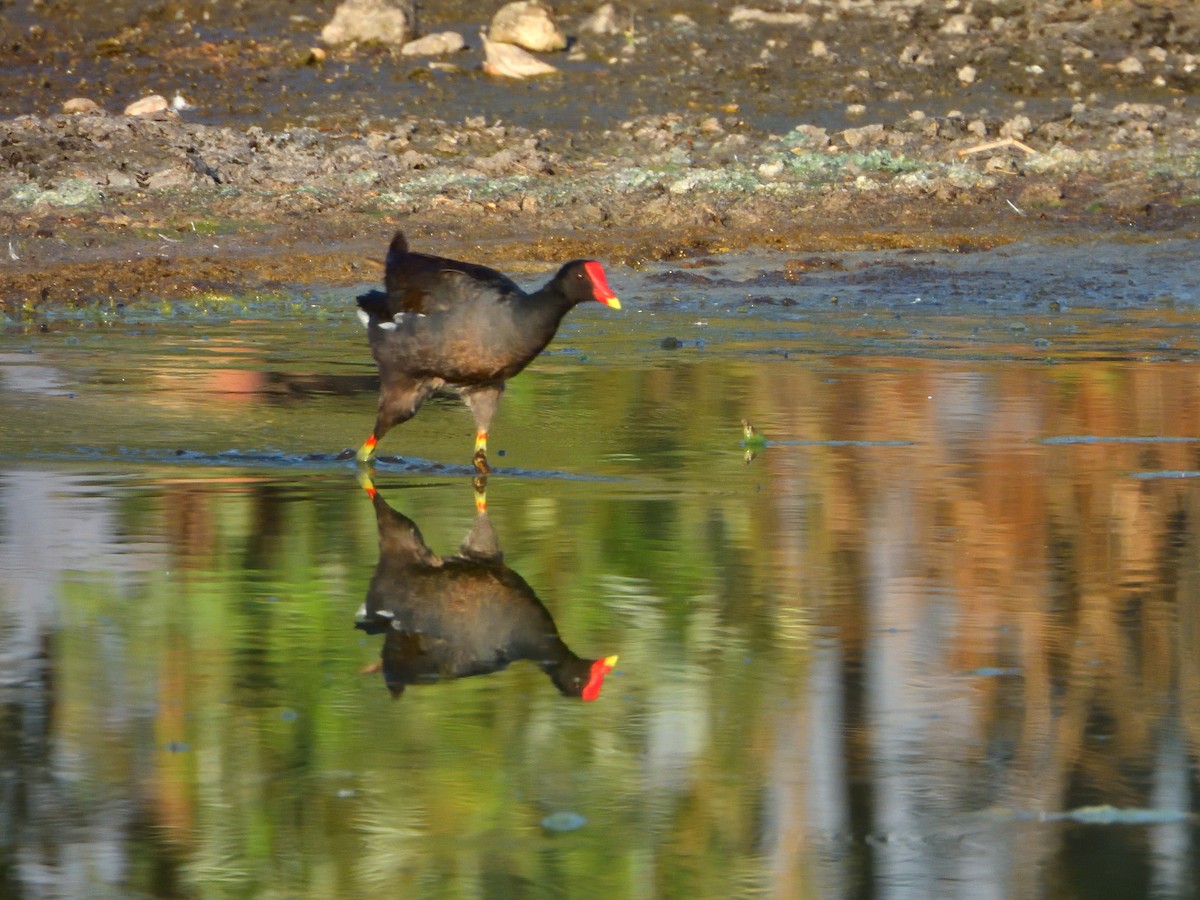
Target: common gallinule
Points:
(455, 616)
(442, 323)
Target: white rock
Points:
(858, 137)
(770, 170)
(510, 61)
(967, 74)
(148, 106)
(818, 49)
(854, 110)
(602, 21)
(1131, 65)
(77, 105)
(744, 15)
(367, 21)
(528, 24)
(962, 23)
(1016, 127)
(439, 44)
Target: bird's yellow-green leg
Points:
(480, 458)
(366, 453)
(480, 485)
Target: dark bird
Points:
(456, 616)
(442, 323)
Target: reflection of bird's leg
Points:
(482, 401)
(367, 482)
(481, 542)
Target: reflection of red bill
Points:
(600, 668)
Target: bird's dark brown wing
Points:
(422, 284)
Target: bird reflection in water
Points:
(446, 617)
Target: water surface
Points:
(935, 638)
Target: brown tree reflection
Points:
(446, 617)
(1009, 612)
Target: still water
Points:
(939, 637)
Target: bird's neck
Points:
(545, 308)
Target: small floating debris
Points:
(751, 436)
(1100, 815)
(1116, 439)
(1165, 473)
(752, 441)
(563, 821)
(993, 672)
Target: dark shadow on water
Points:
(448, 617)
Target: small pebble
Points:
(77, 105)
(439, 44)
(1131, 65)
(148, 106)
(527, 24)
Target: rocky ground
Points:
(683, 130)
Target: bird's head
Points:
(580, 678)
(584, 279)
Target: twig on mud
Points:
(996, 145)
(170, 240)
(1015, 208)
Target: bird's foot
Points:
(481, 463)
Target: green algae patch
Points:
(71, 192)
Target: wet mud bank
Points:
(685, 134)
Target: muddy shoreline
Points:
(108, 208)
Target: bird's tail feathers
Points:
(373, 308)
(398, 247)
